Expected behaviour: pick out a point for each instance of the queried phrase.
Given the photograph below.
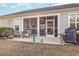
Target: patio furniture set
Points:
(23, 34)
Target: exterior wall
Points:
(63, 22)
(6, 22)
(11, 22)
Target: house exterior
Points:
(46, 23)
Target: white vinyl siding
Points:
(63, 22)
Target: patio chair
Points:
(27, 34)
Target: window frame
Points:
(76, 22)
(30, 25)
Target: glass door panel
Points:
(50, 27)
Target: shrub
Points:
(6, 31)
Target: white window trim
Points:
(69, 19)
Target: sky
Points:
(8, 8)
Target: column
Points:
(21, 24)
(38, 29)
(59, 25)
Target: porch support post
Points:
(38, 22)
(21, 25)
(59, 24)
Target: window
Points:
(42, 26)
(77, 18)
(42, 20)
(72, 25)
(49, 30)
(26, 23)
(16, 28)
(30, 24)
(74, 21)
(50, 27)
(42, 32)
(78, 26)
(33, 25)
(50, 24)
(72, 18)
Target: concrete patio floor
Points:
(48, 40)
